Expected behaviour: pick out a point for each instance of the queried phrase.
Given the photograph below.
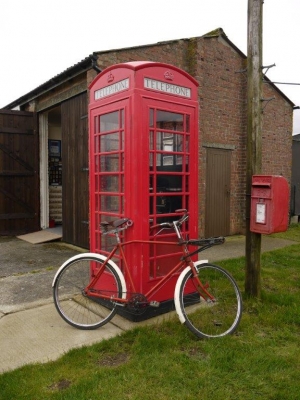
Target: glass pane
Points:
(122, 119)
(110, 142)
(158, 160)
(169, 183)
(109, 122)
(121, 140)
(151, 145)
(168, 204)
(107, 243)
(159, 141)
(187, 128)
(169, 142)
(187, 188)
(178, 160)
(109, 183)
(168, 160)
(187, 144)
(151, 118)
(121, 167)
(110, 163)
(97, 163)
(169, 120)
(97, 143)
(151, 160)
(110, 203)
(178, 143)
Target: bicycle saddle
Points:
(115, 224)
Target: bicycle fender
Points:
(100, 257)
(179, 312)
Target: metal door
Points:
(217, 207)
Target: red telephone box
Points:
(143, 126)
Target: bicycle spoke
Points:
(71, 301)
(203, 316)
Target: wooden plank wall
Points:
(19, 173)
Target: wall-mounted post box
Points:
(269, 204)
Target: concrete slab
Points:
(40, 237)
(234, 247)
(40, 335)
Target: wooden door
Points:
(217, 209)
(19, 173)
(75, 173)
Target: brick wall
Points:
(277, 135)
(218, 67)
(222, 98)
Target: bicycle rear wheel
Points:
(70, 299)
(206, 318)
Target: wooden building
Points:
(44, 146)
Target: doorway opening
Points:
(55, 167)
(51, 168)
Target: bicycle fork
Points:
(202, 287)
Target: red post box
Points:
(143, 130)
(269, 204)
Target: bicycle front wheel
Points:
(208, 318)
(70, 299)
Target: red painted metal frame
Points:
(131, 289)
(136, 100)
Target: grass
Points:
(165, 361)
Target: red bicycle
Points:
(88, 288)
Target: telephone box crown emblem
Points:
(168, 75)
(110, 77)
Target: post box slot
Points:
(260, 184)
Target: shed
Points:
(60, 136)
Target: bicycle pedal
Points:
(154, 303)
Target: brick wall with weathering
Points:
(220, 69)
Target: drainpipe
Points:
(94, 65)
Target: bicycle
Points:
(89, 287)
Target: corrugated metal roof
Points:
(58, 79)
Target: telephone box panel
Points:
(143, 123)
(269, 204)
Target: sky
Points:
(41, 38)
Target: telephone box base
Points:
(150, 312)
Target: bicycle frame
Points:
(185, 261)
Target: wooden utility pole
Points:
(254, 146)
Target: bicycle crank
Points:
(137, 303)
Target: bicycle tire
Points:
(70, 300)
(206, 318)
